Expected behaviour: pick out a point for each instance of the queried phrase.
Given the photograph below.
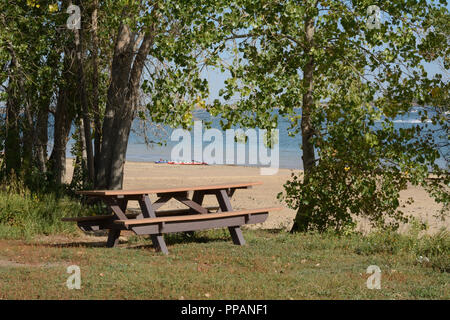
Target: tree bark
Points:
(42, 139)
(41, 127)
(63, 118)
(121, 104)
(63, 121)
(302, 218)
(95, 90)
(27, 139)
(79, 169)
(308, 101)
(12, 139)
(84, 106)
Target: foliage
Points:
(351, 81)
(363, 165)
(174, 82)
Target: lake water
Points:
(289, 147)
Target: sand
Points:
(140, 175)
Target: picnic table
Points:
(154, 222)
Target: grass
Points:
(272, 265)
(26, 215)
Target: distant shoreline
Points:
(206, 165)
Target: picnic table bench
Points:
(153, 222)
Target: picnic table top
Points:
(168, 190)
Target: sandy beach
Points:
(139, 175)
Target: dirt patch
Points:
(83, 238)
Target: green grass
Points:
(272, 265)
(24, 216)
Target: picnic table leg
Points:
(113, 238)
(119, 206)
(148, 212)
(159, 243)
(225, 205)
(198, 197)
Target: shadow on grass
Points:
(75, 244)
(145, 242)
(274, 231)
(170, 239)
(188, 238)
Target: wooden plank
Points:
(243, 185)
(160, 202)
(224, 201)
(236, 234)
(195, 225)
(162, 213)
(225, 205)
(171, 195)
(146, 207)
(210, 216)
(159, 244)
(179, 212)
(192, 204)
(149, 213)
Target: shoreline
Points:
(225, 164)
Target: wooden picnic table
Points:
(156, 223)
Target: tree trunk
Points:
(63, 117)
(84, 106)
(42, 139)
(27, 140)
(95, 92)
(64, 113)
(12, 139)
(121, 104)
(302, 219)
(79, 169)
(63, 120)
(41, 127)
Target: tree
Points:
(151, 37)
(351, 75)
(161, 34)
(28, 59)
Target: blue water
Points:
(289, 146)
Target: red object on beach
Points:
(193, 163)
